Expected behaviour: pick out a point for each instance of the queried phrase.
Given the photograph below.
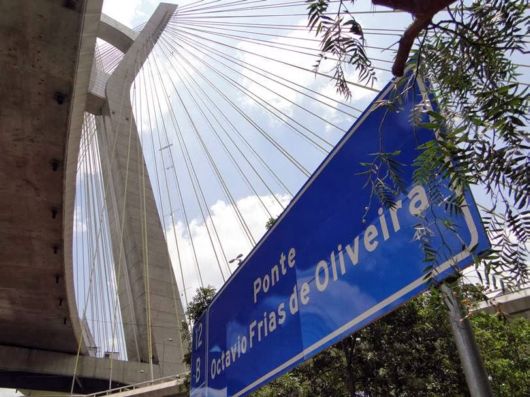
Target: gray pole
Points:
(476, 377)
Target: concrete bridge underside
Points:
(46, 56)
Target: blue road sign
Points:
(335, 260)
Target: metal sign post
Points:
(476, 377)
(336, 260)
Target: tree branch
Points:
(422, 11)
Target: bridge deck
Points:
(167, 386)
(38, 53)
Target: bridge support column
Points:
(149, 297)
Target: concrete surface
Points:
(171, 388)
(515, 303)
(55, 371)
(46, 56)
(38, 58)
(116, 33)
(123, 167)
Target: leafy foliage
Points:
(411, 352)
(483, 139)
(480, 121)
(270, 222)
(342, 41)
(202, 298)
(506, 347)
(384, 176)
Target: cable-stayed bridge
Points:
(139, 163)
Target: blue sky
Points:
(133, 13)
(189, 60)
(170, 109)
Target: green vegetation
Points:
(270, 222)
(410, 352)
(202, 298)
(199, 303)
(465, 50)
(506, 351)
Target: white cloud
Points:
(264, 61)
(232, 237)
(129, 12)
(296, 74)
(123, 11)
(80, 225)
(360, 99)
(9, 393)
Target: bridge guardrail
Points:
(135, 386)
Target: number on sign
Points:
(197, 369)
(198, 336)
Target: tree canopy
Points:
(465, 50)
(411, 352)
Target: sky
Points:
(187, 57)
(186, 139)
(196, 63)
(191, 129)
(131, 12)
(219, 211)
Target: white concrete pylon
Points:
(147, 288)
